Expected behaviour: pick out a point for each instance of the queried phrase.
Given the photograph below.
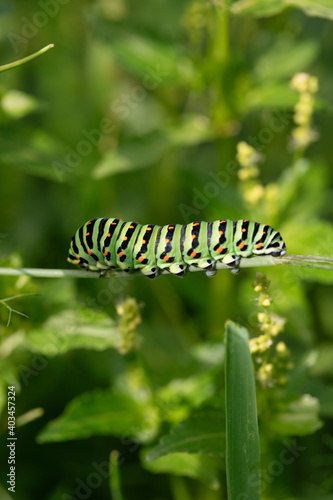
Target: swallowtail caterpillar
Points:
(104, 244)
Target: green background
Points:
(136, 113)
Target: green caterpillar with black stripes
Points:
(103, 244)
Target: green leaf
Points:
(243, 447)
(95, 413)
(258, 8)
(296, 235)
(202, 432)
(269, 95)
(196, 466)
(34, 154)
(266, 8)
(74, 329)
(156, 63)
(194, 390)
(210, 353)
(192, 130)
(17, 104)
(298, 418)
(297, 186)
(323, 366)
(325, 397)
(273, 65)
(132, 156)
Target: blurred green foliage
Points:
(136, 113)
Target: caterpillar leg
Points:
(211, 272)
(209, 266)
(178, 269)
(232, 261)
(150, 272)
(103, 273)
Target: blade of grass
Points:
(243, 448)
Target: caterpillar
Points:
(102, 244)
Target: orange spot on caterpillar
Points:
(131, 227)
(222, 221)
(140, 259)
(144, 242)
(106, 252)
(241, 245)
(259, 245)
(166, 258)
(125, 238)
(76, 262)
(219, 250)
(89, 252)
(109, 234)
(193, 254)
(120, 254)
(148, 229)
(87, 234)
(171, 227)
(194, 236)
(196, 223)
(244, 230)
(220, 232)
(166, 240)
(264, 232)
(113, 223)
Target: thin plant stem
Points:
(15, 64)
(10, 309)
(309, 261)
(115, 483)
(219, 58)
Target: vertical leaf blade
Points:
(243, 447)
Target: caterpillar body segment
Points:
(102, 244)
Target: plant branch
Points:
(10, 309)
(14, 64)
(309, 261)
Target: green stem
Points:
(10, 309)
(46, 273)
(219, 58)
(14, 64)
(115, 486)
(298, 155)
(257, 261)
(220, 34)
(179, 488)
